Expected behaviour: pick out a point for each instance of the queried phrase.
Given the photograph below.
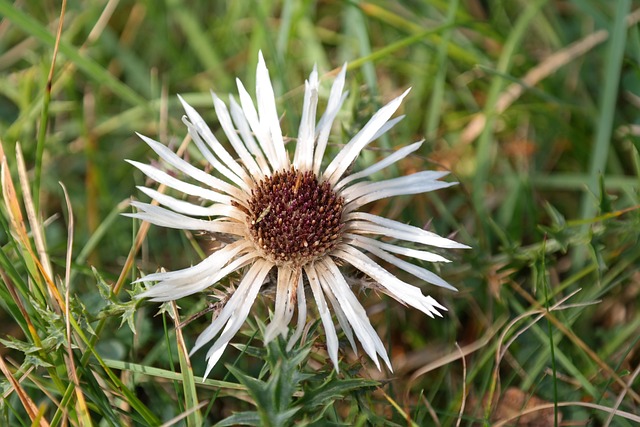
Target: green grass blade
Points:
(604, 124)
(91, 68)
(486, 145)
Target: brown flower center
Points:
(293, 218)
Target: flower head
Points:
(290, 216)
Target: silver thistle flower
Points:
(291, 216)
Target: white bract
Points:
(290, 215)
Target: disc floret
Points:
(293, 218)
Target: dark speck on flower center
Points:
(293, 218)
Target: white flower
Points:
(293, 216)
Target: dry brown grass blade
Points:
(27, 403)
(179, 337)
(624, 414)
(36, 229)
(16, 220)
(431, 411)
(623, 392)
(575, 340)
(11, 202)
(14, 211)
(23, 311)
(502, 349)
(176, 420)
(67, 68)
(56, 46)
(81, 404)
(539, 73)
(102, 22)
(397, 407)
(463, 352)
(464, 385)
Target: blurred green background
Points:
(532, 106)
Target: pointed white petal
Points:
(184, 207)
(397, 191)
(302, 315)
(214, 357)
(417, 271)
(166, 218)
(282, 291)
(201, 127)
(365, 223)
(170, 219)
(260, 131)
(325, 314)
(234, 139)
(245, 132)
(342, 320)
(190, 189)
(387, 126)
(303, 157)
(237, 318)
(334, 282)
(175, 288)
(422, 178)
(404, 292)
(366, 192)
(211, 263)
(358, 240)
(376, 167)
(268, 112)
(290, 308)
(240, 301)
(213, 160)
(180, 164)
(348, 154)
(283, 311)
(336, 98)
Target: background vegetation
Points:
(533, 107)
